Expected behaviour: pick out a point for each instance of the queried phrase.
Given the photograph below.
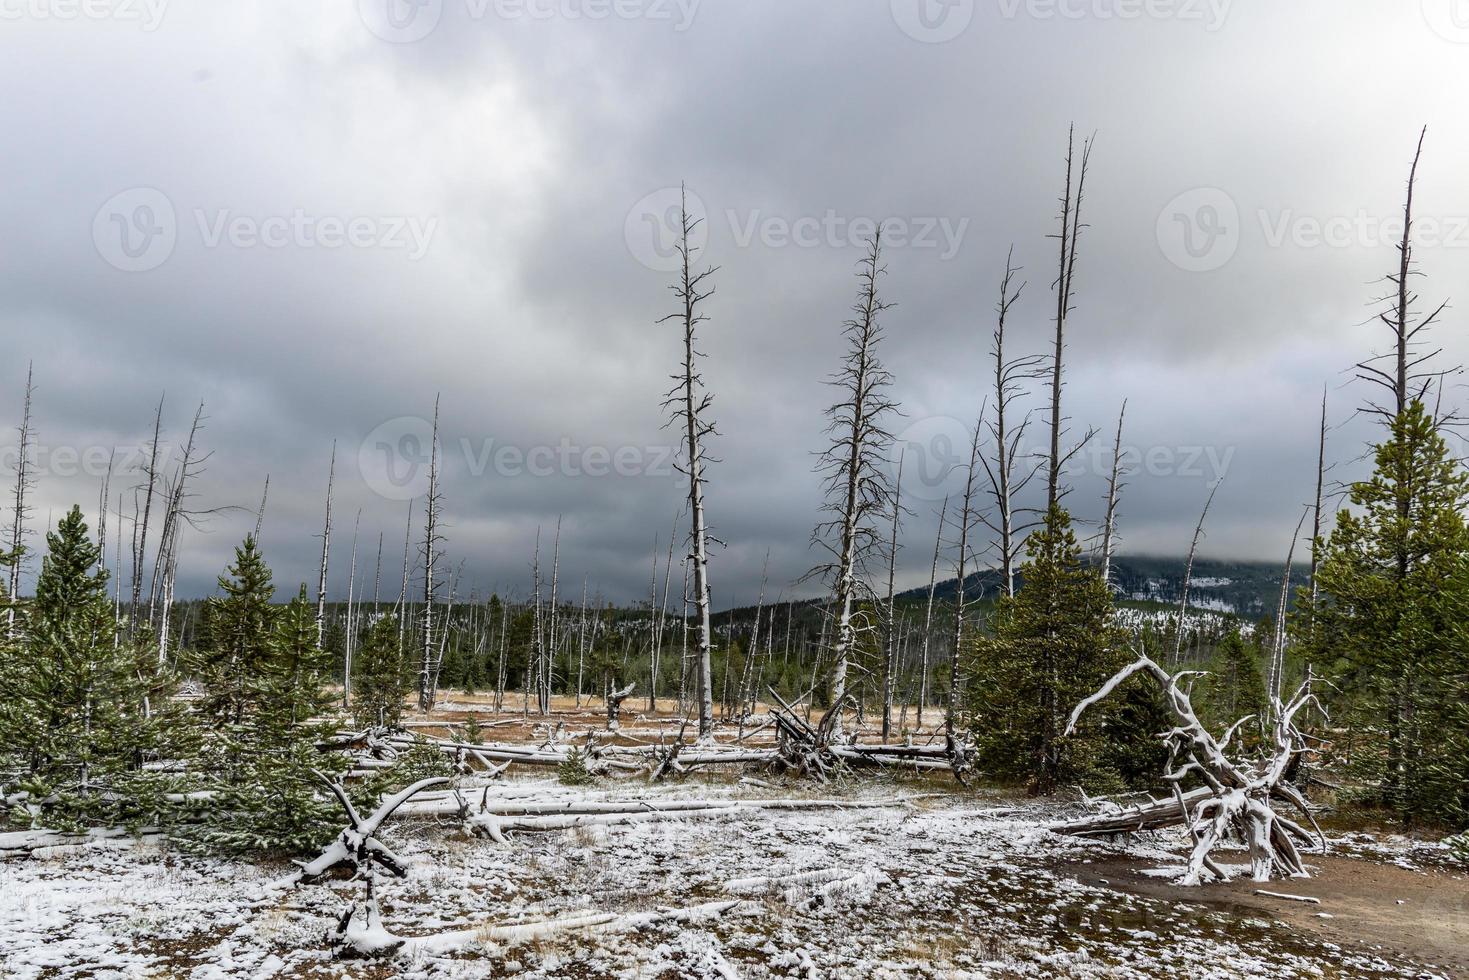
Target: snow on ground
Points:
(940, 887)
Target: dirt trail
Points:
(1420, 915)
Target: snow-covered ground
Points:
(941, 886)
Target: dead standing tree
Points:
(428, 669)
(855, 468)
(1071, 227)
(688, 403)
(326, 548)
(1006, 482)
(1114, 490)
(19, 508)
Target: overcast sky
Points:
(314, 218)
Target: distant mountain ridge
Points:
(1248, 589)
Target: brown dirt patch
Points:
(1420, 915)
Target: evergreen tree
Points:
(380, 677)
(264, 679)
(1235, 686)
(75, 715)
(1390, 619)
(1050, 645)
(236, 639)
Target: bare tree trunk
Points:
(856, 484)
(1070, 231)
(1188, 577)
(351, 627)
(747, 674)
(550, 643)
(1109, 527)
(1010, 377)
(20, 509)
(581, 643)
(933, 577)
(403, 592)
(966, 522)
(890, 641)
(428, 669)
(326, 546)
(140, 535)
(1316, 509)
(690, 403)
(260, 514)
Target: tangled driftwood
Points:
(1235, 801)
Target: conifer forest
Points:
(998, 507)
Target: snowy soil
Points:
(952, 887)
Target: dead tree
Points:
(20, 510)
(748, 691)
(140, 527)
(890, 619)
(660, 621)
(1235, 801)
(933, 577)
(351, 631)
(1277, 646)
(854, 467)
(615, 697)
(428, 672)
(1404, 377)
(1114, 488)
(967, 520)
(688, 403)
(1071, 227)
(1005, 479)
(1188, 576)
(326, 547)
(260, 514)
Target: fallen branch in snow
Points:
(370, 939)
(357, 844)
(1235, 800)
(494, 822)
(1290, 898)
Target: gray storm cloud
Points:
(316, 219)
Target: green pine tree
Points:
(1048, 647)
(81, 711)
(380, 677)
(1389, 623)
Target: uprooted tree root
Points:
(1237, 799)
